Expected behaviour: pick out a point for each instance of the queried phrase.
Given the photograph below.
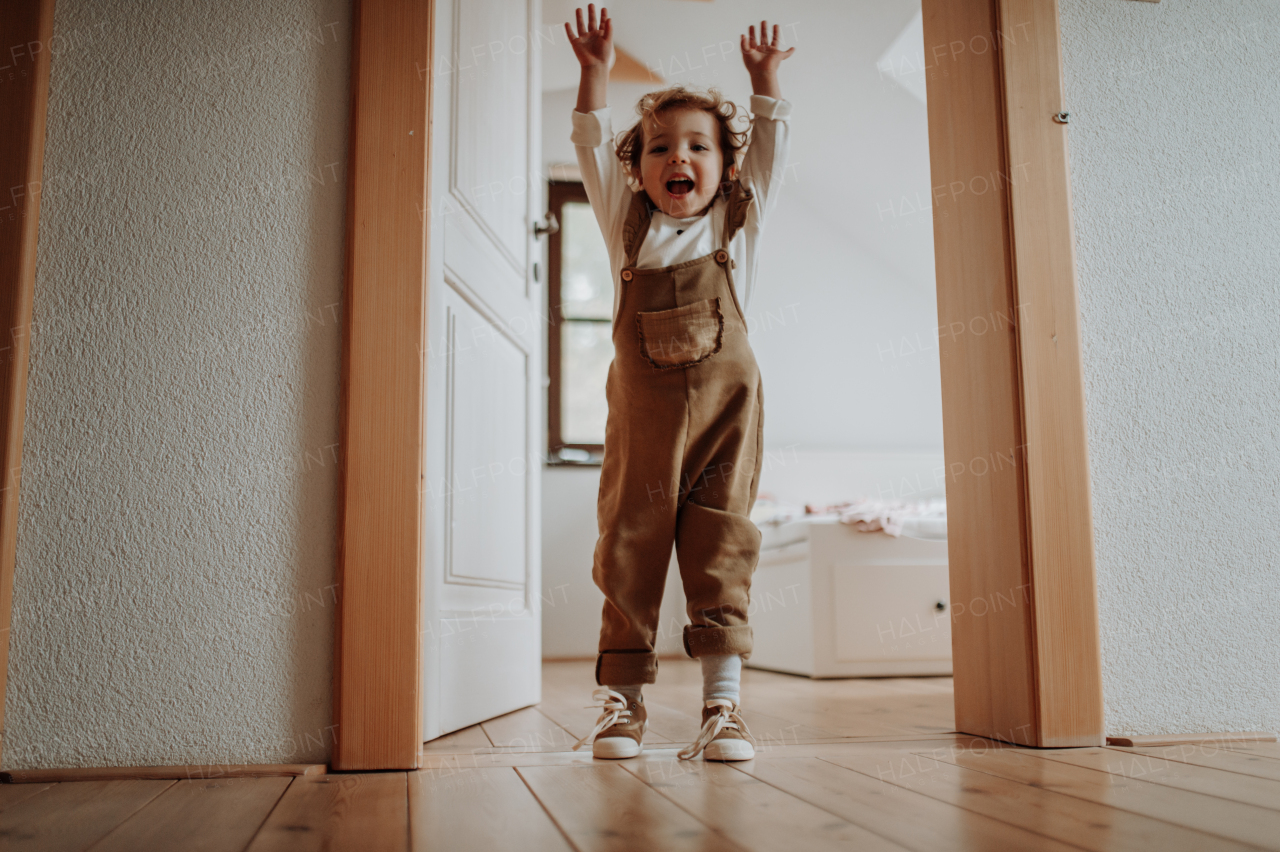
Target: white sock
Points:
(631, 692)
(721, 676)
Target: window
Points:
(580, 338)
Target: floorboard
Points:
(198, 816)
(1264, 793)
(1228, 759)
(459, 741)
(910, 819)
(482, 809)
(528, 729)
(69, 817)
(345, 812)
(1271, 750)
(604, 808)
(12, 795)
(751, 813)
(1084, 824)
(1209, 814)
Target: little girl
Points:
(682, 447)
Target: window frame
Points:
(559, 193)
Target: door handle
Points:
(548, 225)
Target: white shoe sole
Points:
(616, 748)
(729, 750)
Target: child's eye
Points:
(699, 147)
(657, 149)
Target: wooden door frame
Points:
(377, 674)
(26, 28)
(1027, 664)
(1025, 631)
(1020, 525)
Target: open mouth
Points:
(679, 187)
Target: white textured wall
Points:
(1175, 163)
(173, 599)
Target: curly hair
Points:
(630, 143)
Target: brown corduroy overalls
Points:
(682, 454)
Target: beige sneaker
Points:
(619, 732)
(724, 736)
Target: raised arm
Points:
(762, 58)
(602, 174)
(593, 45)
(764, 165)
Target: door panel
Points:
(489, 149)
(481, 624)
(507, 682)
(486, 381)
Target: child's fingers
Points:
(581, 28)
(591, 16)
(775, 35)
(568, 30)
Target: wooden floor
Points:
(847, 764)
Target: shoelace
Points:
(613, 708)
(726, 717)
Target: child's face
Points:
(681, 164)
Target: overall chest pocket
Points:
(683, 336)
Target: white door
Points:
(482, 630)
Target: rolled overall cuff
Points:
(626, 668)
(701, 641)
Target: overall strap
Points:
(636, 226)
(740, 198)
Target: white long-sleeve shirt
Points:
(670, 240)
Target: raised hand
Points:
(593, 44)
(763, 56)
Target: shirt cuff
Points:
(763, 106)
(589, 128)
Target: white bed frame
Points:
(829, 601)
